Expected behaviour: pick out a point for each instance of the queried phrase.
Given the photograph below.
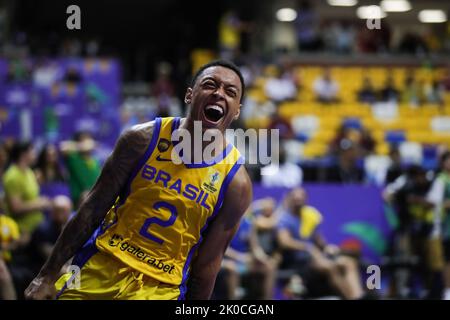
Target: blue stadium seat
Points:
(353, 123)
(396, 136)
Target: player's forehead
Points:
(221, 74)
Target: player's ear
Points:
(188, 96)
(236, 116)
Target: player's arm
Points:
(208, 261)
(118, 167)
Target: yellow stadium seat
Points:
(313, 150)
(382, 149)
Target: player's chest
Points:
(194, 188)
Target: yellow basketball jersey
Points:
(157, 224)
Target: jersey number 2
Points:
(154, 220)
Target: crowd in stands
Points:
(278, 252)
(39, 193)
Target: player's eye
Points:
(232, 93)
(209, 85)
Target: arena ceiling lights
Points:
(370, 12)
(395, 5)
(432, 16)
(342, 3)
(286, 14)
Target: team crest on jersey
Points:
(163, 145)
(212, 181)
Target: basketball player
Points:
(150, 228)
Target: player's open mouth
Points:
(213, 113)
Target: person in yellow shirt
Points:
(305, 249)
(9, 235)
(21, 188)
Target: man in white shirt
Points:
(325, 88)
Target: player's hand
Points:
(41, 288)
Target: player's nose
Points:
(219, 93)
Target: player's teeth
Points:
(215, 107)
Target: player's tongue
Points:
(213, 113)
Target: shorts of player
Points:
(104, 277)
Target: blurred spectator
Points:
(249, 73)
(9, 237)
(389, 93)
(19, 70)
(244, 257)
(412, 92)
(83, 168)
(325, 88)
(265, 222)
(3, 164)
(308, 36)
(277, 122)
(346, 170)
(22, 189)
(45, 74)
(439, 197)
(71, 48)
(73, 77)
(373, 40)
(340, 37)
(412, 43)
(445, 81)
(395, 168)
(305, 249)
(163, 90)
(343, 132)
(367, 93)
(345, 38)
(45, 236)
(359, 136)
(92, 48)
(282, 87)
(230, 35)
(366, 142)
(434, 93)
(408, 195)
(48, 168)
(284, 174)
(163, 86)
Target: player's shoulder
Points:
(139, 133)
(145, 127)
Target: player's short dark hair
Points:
(220, 63)
(18, 149)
